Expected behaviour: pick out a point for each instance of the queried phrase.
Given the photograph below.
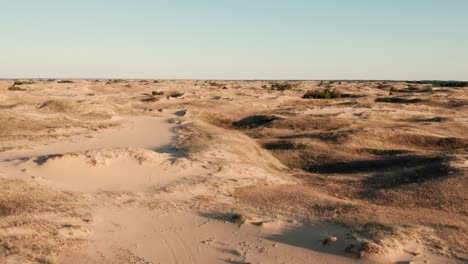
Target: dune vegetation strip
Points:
(36, 223)
(134, 171)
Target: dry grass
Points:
(193, 139)
(312, 123)
(381, 177)
(32, 218)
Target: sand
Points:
(139, 178)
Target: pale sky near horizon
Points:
(236, 39)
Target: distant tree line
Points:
(443, 83)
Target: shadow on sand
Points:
(312, 237)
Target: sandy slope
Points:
(149, 179)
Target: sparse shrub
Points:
(369, 248)
(238, 218)
(383, 85)
(149, 99)
(416, 89)
(282, 86)
(327, 93)
(215, 84)
(366, 248)
(65, 81)
(114, 81)
(154, 93)
(155, 81)
(15, 88)
(175, 94)
(22, 82)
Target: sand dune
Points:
(193, 172)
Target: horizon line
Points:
(219, 79)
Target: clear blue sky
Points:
(237, 39)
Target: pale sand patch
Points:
(103, 162)
(136, 235)
(132, 235)
(139, 131)
(109, 170)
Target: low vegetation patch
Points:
(15, 88)
(443, 83)
(23, 82)
(149, 99)
(437, 119)
(27, 208)
(215, 84)
(238, 218)
(327, 123)
(282, 86)
(115, 81)
(175, 94)
(193, 139)
(327, 93)
(384, 86)
(416, 89)
(154, 93)
(430, 142)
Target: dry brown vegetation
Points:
(380, 176)
(386, 159)
(35, 223)
(327, 93)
